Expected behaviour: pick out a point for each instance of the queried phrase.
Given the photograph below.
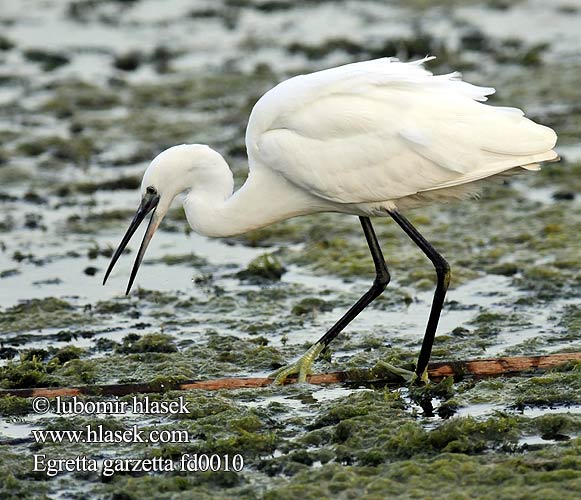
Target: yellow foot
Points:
(424, 378)
(302, 366)
(409, 376)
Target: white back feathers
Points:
(382, 130)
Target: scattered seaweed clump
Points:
(129, 61)
(416, 46)
(25, 374)
(263, 269)
(151, 342)
(311, 305)
(38, 314)
(88, 138)
(6, 44)
(49, 60)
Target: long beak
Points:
(148, 203)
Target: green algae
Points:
(366, 436)
(153, 357)
(201, 90)
(6, 44)
(286, 232)
(78, 150)
(17, 481)
(39, 314)
(416, 46)
(359, 429)
(336, 256)
(263, 269)
(65, 354)
(534, 476)
(52, 367)
(310, 305)
(490, 323)
(571, 320)
(132, 182)
(31, 373)
(153, 342)
(557, 427)
(49, 60)
(11, 406)
(72, 96)
(129, 61)
(76, 372)
(559, 387)
(371, 444)
(95, 221)
(189, 259)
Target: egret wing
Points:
(382, 130)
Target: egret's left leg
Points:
(302, 367)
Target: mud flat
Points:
(91, 90)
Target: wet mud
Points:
(91, 90)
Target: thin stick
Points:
(436, 370)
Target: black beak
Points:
(148, 203)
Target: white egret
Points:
(365, 139)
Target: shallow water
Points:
(111, 85)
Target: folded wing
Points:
(381, 130)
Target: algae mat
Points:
(91, 90)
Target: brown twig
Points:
(436, 370)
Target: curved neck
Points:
(265, 198)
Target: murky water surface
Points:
(91, 90)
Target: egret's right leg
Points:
(302, 367)
(443, 280)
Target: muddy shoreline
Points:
(91, 90)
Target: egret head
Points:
(173, 171)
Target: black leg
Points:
(303, 365)
(381, 280)
(443, 275)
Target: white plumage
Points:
(383, 130)
(366, 139)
